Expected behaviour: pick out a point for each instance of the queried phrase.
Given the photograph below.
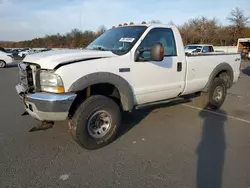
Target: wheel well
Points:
(105, 89)
(225, 75)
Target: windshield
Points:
(192, 47)
(118, 40)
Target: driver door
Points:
(158, 80)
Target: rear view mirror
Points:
(157, 52)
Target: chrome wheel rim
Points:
(2, 64)
(99, 124)
(218, 93)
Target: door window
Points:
(205, 49)
(164, 36)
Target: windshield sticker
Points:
(126, 39)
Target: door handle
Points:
(179, 66)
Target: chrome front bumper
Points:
(46, 106)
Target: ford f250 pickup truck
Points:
(124, 68)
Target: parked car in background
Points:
(198, 48)
(5, 59)
(2, 49)
(8, 50)
(23, 52)
(15, 52)
(26, 52)
(45, 50)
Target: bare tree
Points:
(171, 22)
(155, 22)
(100, 30)
(239, 21)
(199, 30)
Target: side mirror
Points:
(157, 52)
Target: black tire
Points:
(80, 127)
(209, 101)
(2, 63)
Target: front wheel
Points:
(96, 122)
(216, 95)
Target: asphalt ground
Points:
(177, 146)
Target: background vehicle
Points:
(243, 47)
(2, 49)
(15, 52)
(5, 59)
(45, 50)
(123, 69)
(198, 48)
(24, 52)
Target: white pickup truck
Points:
(198, 48)
(124, 68)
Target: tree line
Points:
(197, 30)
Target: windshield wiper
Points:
(99, 48)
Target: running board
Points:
(174, 101)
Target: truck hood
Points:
(53, 58)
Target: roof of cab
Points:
(134, 25)
(147, 25)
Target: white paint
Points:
(64, 177)
(199, 68)
(158, 80)
(127, 40)
(134, 142)
(143, 139)
(7, 59)
(50, 59)
(217, 113)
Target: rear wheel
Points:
(2, 64)
(95, 123)
(216, 95)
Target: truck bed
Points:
(200, 66)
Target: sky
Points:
(27, 19)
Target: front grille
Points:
(26, 77)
